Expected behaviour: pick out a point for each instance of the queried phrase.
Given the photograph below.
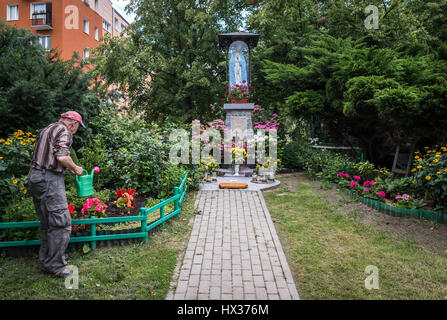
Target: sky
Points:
(119, 5)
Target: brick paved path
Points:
(233, 252)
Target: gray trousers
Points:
(48, 191)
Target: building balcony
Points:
(42, 21)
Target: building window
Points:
(96, 5)
(38, 8)
(45, 41)
(86, 2)
(106, 25)
(86, 53)
(122, 27)
(12, 12)
(86, 26)
(96, 34)
(116, 24)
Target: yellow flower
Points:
(417, 157)
(427, 178)
(15, 181)
(439, 172)
(420, 160)
(419, 167)
(414, 180)
(435, 161)
(437, 155)
(24, 191)
(2, 140)
(413, 170)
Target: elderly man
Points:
(51, 158)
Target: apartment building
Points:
(66, 25)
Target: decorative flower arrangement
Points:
(237, 92)
(269, 163)
(209, 164)
(239, 155)
(125, 200)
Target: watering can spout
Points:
(84, 184)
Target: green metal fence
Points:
(177, 199)
(435, 216)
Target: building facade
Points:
(66, 25)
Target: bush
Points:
(430, 173)
(18, 211)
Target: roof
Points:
(225, 39)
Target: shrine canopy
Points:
(238, 47)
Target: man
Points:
(51, 158)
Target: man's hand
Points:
(78, 170)
(68, 163)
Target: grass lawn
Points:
(135, 271)
(329, 241)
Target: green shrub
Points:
(18, 211)
(430, 173)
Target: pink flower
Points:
(259, 117)
(96, 200)
(406, 196)
(356, 177)
(347, 175)
(353, 183)
(96, 169)
(88, 204)
(83, 210)
(274, 115)
(340, 174)
(381, 193)
(98, 208)
(365, 183)
(372, 182)
(366, 189)
(399, 197)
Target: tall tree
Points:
(170, 63)
(36, 86)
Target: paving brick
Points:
(233, 252)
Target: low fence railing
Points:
(435, 216)
(177, 199)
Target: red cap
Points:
(74, 116)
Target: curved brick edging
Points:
(233, 252)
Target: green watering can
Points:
(84, 184)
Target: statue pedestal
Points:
(238, 118)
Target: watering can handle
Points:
(77, 177)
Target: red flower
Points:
(119, 193)
(242, 91)
(223, 99)
(243, 81)
(71, 209)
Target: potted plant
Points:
(237, 93)
(210, 166)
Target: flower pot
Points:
(239, 100)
